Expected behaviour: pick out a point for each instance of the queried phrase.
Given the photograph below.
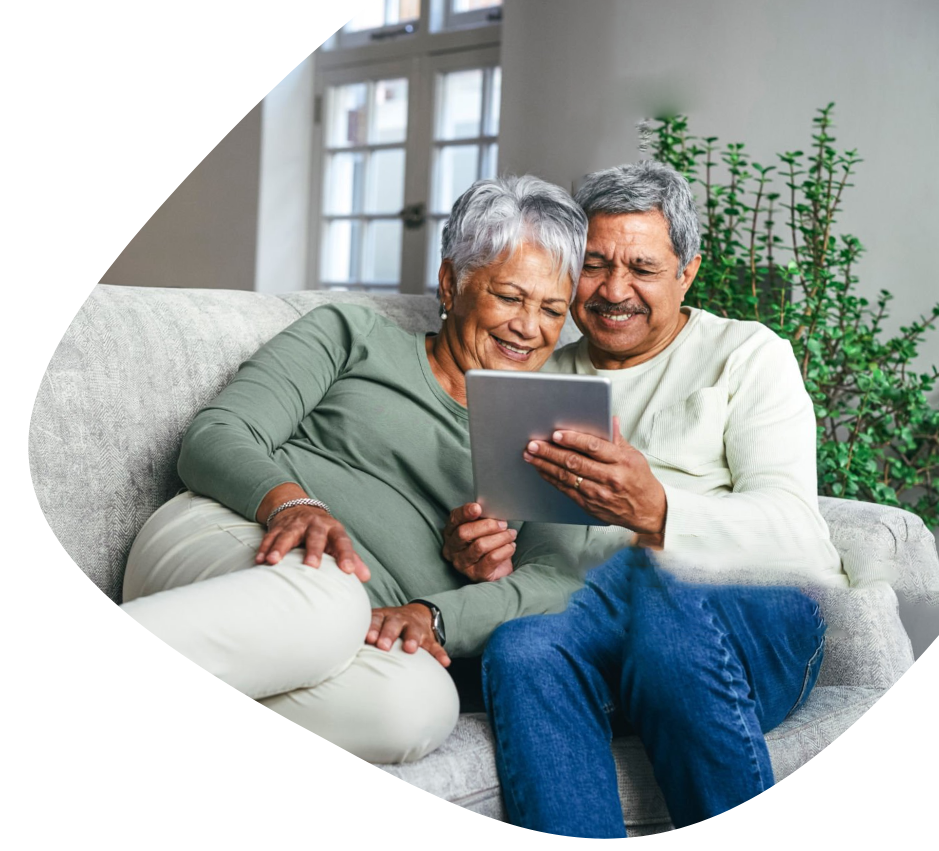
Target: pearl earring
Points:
(443, 312)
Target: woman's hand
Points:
(610, 480)
(480, 548)
(309, 527)
(412, 623)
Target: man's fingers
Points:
(390, 632)
(572, 462)
(588, 444)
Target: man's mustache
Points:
(601, 305)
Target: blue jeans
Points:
(698, 672)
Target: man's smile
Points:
(619, 313)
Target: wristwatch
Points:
(436, 621)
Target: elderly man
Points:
(713, 467)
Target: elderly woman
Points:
(331, 460)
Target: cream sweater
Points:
(728, 428)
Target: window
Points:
(406, 121)
(465, 144)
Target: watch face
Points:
(439, 632)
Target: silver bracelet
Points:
(291, 503)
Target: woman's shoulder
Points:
(345, 324)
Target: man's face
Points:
(628, 302)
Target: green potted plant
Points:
(771, 253)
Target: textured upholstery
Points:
(137, 363)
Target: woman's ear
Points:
(446, 284)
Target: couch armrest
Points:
(881, 543)
(865, 644)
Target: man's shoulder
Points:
(729, 335)
(564, 359)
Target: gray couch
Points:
(136, 364)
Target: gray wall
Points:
(577, 76)
(205, 233)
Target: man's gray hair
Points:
(497, 215)
(640, 188)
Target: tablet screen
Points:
(506, 410)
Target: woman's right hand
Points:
(480, 548)
(309, 527)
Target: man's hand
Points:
(412, 623)
(480, 548)
(610, 480)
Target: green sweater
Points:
(344, 403)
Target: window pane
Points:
(346, 115)
(460, 104)
(433, 252)
(410, 10)
(340, 251)
(495, 102)
(490, 161)
(379, 13)
(382, 259)
(390, 111)
(473, 5)
(456, 170)
(344, 176)
(385, 188)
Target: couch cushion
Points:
(463, 769)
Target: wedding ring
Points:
(577, 483)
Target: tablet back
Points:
(506, 410)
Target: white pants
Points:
(288, 635)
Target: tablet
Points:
(509, 408)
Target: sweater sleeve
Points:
(227, 451)
(547, 572)
(770, 518)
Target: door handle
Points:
(414, 215)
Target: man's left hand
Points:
(610, 480)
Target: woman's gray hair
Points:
(497, 215)
(640, 188)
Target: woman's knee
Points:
(385, 707)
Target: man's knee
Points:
(524, 643)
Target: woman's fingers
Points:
(469, 542)
(339, 546)
(410, 623)
(318, 533)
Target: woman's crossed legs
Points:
(288, 635)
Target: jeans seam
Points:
(807, 676)
(725, 670)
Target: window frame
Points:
(419, 57)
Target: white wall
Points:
(577, 76)
(284, 205)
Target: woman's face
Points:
(507, 315)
